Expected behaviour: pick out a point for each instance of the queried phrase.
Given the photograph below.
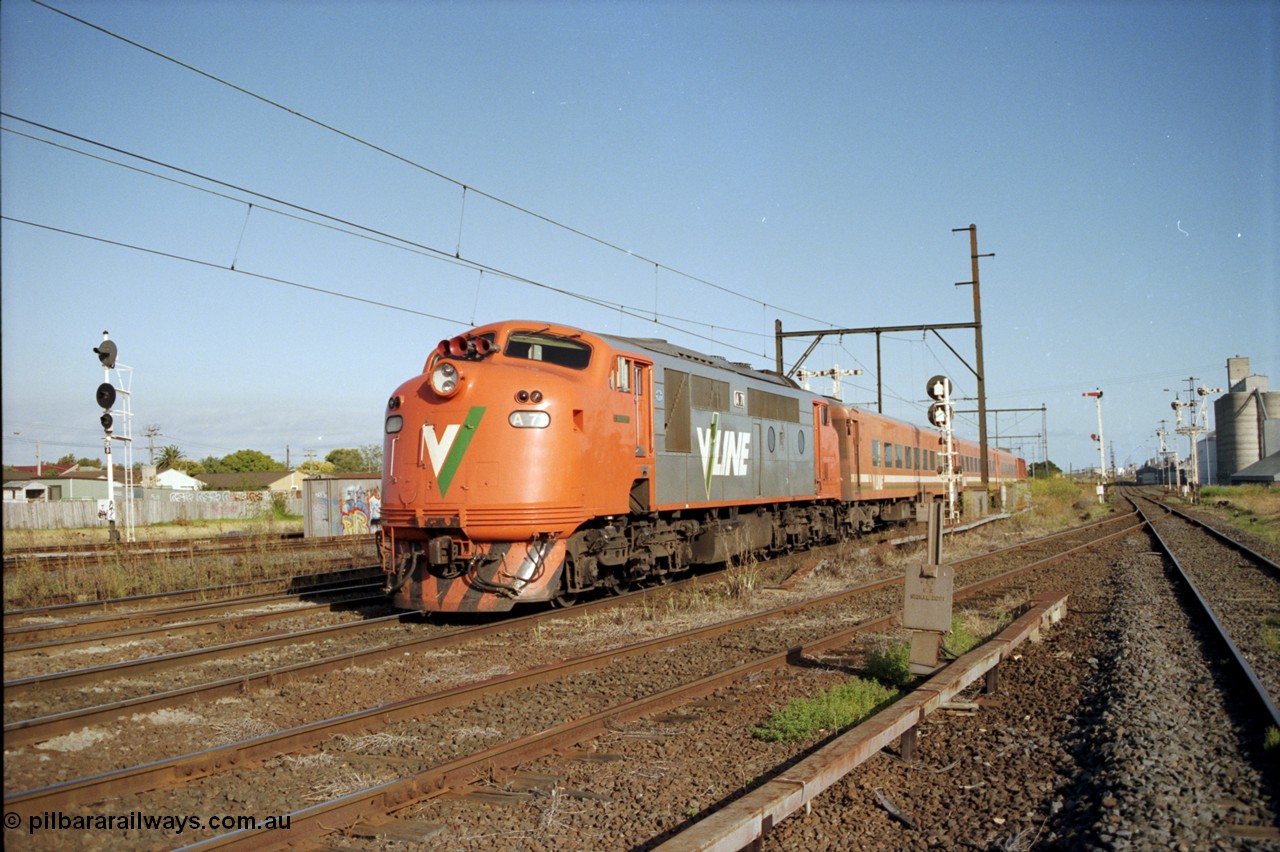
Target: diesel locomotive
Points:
(532, 461)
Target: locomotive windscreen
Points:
(560, 351)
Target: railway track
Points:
(78, 555)
(52, 637)
(1126, 731)
(785, 629)
(1235, 589)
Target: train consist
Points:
(534, 462)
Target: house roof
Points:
(28, 471)
(248, 480)
(1263, 470)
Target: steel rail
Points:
(249, 752)
(133, 668)
(1264, 699)
(344, 553)
(41, 728)
(296, 584)
(106, 623)
(1269, 564)
(342, 597)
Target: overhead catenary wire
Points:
(416, 165)
(355, 229)
(623, 310)
(211, 265)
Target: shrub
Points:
(892, 665)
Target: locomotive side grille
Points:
(535, 516)
(540, 517)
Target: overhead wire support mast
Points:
(977, 369)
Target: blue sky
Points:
(728, 163)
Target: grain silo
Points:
(1247, 418)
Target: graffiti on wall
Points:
(357, 514)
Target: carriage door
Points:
(826, 462)
(635, 378)
(846, 436)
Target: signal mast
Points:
(1102, 452)
(835, 373)
(106, 396)
(941, 415)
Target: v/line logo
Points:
(445, 451)
(724, 453)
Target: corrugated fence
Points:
(152, 506)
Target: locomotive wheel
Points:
(564, 600)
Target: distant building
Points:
(68, 486)
(1265, 472)
(1248, 421)
(177, 480)
(1207, 454)
(283, 481)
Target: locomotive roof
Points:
(662, 347)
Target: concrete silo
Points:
(1247, 418)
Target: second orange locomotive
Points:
(533, 462)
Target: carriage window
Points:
(875, 453)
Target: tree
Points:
(189, 466)
(88, 462)
(345, 460)
(169, 457)
(67, 460)
(244, 461)
(311, 467)
(1043, 470)
(371, 457)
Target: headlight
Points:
(444, 379)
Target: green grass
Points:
(835, 708)
(1252, 508)
(1271, 740)
(961, 639)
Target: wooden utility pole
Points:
(979, 371)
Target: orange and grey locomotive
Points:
(535, 462)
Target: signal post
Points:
(928, 591)
(106, 396)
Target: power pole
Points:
(153, 430)
(977, 342)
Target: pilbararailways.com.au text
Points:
(139, 821)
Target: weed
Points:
(1271, 740)
(1271, 633)
(835, 708)
(891, 664)
(962, 638)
